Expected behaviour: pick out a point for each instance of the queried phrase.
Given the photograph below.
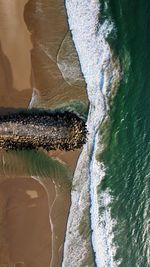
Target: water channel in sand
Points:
(34, 190)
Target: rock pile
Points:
(42, 129)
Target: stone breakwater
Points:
(42, 129)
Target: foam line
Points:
(101, 75)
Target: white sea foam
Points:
(101, 74)
(34, 99)
(102, 223)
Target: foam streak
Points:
(101, 74)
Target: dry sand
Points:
(32, 216)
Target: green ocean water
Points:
(127, 137)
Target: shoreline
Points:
(102, 74)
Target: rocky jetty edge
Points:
(34, 129)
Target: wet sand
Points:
(48, 27)
(15, 41)
(32, 213)
(27, 235)
(9, 96)
(30, 41)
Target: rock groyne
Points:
(33, 129)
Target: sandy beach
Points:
(28, 235)
(33, 213)
(48, 26)
(33, 210)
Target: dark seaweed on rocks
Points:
(33, 129)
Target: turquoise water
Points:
(127, 138)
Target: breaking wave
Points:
(102, 74)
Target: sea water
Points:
(127, 152)
(112, 41)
